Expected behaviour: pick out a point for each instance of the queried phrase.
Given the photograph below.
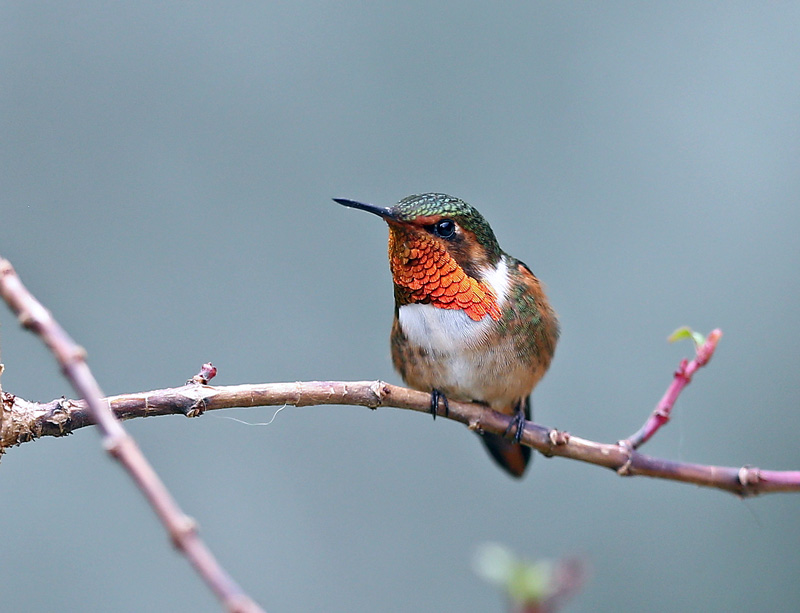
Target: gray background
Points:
(166, 178)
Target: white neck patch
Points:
(497, 278)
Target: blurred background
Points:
(166, 175)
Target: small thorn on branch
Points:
(559, 437)
(625, 469)
(196, 410)
(77, 354)
(749, 478)
(555, 438)
(183, 527)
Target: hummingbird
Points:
(471, 323)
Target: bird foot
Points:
(519, 422)
(437, 396)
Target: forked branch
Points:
(61, 417)
(21, 421)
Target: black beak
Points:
(386, 213)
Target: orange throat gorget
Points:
(430, 275)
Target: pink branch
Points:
(683, 376)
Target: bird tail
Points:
(510, 455)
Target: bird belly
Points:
(466, 360)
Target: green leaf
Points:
(687, 332)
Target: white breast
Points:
(440, 330)
(464, 364)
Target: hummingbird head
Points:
(441, 250)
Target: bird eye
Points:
(446, 228)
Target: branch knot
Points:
(749, 478)
(627, 449)
(557, 438)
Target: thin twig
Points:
(682, 378)
(181, 528)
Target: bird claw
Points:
(519, 422)
(436, 396)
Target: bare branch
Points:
(118, 443)
(21, 421)
(61, 417)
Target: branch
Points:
(61, 417)
(21, 421)
(181, 528)
(704, 349)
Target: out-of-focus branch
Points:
(181, 528)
